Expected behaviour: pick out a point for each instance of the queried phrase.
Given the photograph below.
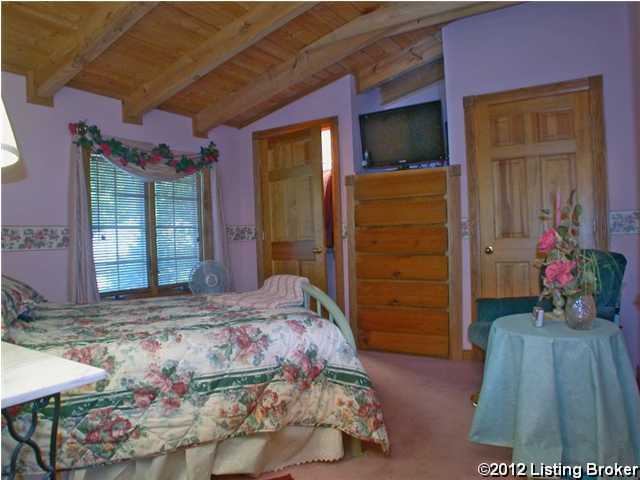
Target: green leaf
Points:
(578, 209)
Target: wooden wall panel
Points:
(404, 320)
(416, 239)
(513, 279)
(417, 294)
(511, 207)
(398, 184)
(402, 211)
(403, 267)
(431, 345)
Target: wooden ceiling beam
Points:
(421, 53)
(414, 80)
(109, 22)
(408, 16)
(391, 19)
(231, 40)
(305, 64)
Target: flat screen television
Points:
(404, 136)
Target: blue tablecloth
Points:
(555, 394)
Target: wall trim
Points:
(236, 233)
(624, 222)
(34, 237)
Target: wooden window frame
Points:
(206, 237)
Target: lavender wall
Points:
(42, 197)
(541, 43)
(635, 62)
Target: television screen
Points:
(403, 135)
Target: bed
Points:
(201, 385)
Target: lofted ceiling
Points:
(223, 63)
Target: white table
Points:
(33, 376)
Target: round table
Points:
(555, 394)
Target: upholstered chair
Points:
(611, 268)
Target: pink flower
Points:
(155, 158)
(106, 149)
(170, 404)
(547, 241)
(119, 429)
(296, 326)
(179, 388)
(157, 378)
(290, 373)
(190, 170)
(73, 128)
(150, 345)
(559, 272)
(243, 341)
(93, 437)
(143, 398)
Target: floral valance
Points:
(89, 136)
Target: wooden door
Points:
(291, 205)
(528, 150)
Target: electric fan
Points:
(209, 277)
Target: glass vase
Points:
(581, 312)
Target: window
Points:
(147, 237)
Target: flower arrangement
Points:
(567, 270)
(89, 136)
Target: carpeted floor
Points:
(428, 415)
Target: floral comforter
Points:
(189, 370)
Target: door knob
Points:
(317, 250)
(488, 250)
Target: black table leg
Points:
(36, 407)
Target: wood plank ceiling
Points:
(222, 62)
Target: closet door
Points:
(530, 153)
(291, 203)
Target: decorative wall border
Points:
(241, 232)
(465, 228)
(56, 237)
(624, 222)
(35, 237)
(621, 222)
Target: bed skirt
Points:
(253, 455)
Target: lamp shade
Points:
(10, 153)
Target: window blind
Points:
(119, 226)
(177, 229)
